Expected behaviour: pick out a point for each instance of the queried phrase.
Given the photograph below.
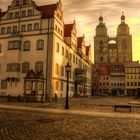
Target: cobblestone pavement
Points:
(26, 125)
(102, 104)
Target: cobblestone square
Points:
(33, 124)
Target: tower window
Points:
(101, 59)
(101, 45)
(124, 44)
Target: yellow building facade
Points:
(35, 38)
(132, 78)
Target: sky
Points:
(87, 12)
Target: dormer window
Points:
(24, 2)
(17, 3)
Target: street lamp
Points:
(68, 69)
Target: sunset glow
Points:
(86, 14)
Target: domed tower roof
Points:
(123, 28)
(101, 27)
(101, 19)
(122, 18)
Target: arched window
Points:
(101, 59)
(101, 45)
(25, 67)
(56, 69)
(40, 44)
(124, 44)
(26, 46)
(57, 47)
(39, 66)
(62, 71)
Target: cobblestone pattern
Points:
(22, 125)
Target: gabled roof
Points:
(67, 29)
(79, 42)
(47, 10)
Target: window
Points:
(66, 53)
(40, 44)
(17, 3)
(36, 26)
(3, 30)
(30, 12)
(62, 50)
(56, 85)
(23, 13)
(57, 47)
(14, 29)
(10, 15)
(101, 59)
(56, 69)
(13, 67)
(73, 58)
(61, 86)
(14, 45)
(26, 46)
(76, 60)
(0, 48)
(16, 14)
(25, 67)
(124, 44)
(8, 30)
(23, 28)
(25, 2)
(29, 27)
(39, 66)
(62, 71)
(70, 57)
(3, 84)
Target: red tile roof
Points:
(103, 69)
(47, 10)
(79, 42)
(68, 29)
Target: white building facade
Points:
(35, 37)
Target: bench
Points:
(122, 106)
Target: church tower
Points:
(124, 42)
(101, 43)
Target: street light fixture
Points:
(68, 69)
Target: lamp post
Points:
(68, 69)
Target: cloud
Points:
(87, 12)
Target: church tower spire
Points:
(122, 18)
(101, 19)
